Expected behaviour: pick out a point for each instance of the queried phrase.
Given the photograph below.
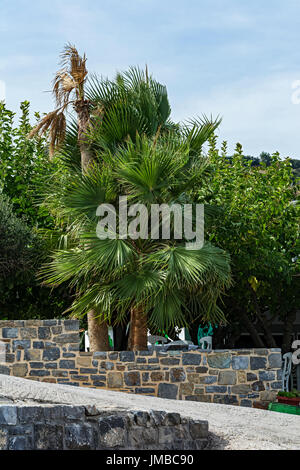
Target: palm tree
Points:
(160, 282)
(69, 89)
(134, 102)
(113, 115)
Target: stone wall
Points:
(68, 427)
(48, 351)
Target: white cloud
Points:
(258, 114)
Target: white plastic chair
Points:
(206, 343)
(86, 342)
(286, 370)
(153, 339)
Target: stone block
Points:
(39, 373)
(59, 373)
(113, 356)
(3, 439)
(141, 360)
(257, 362)
(251, 377)
(141, 418)
(127, 356)
(177, 374)
(145, 353)
(36, 365)
(107, 365)
(195, 378)
(17, 443)
(186, 388)
(216, 389)
(32, 355)
(100, 355)
(67, 364)
(279, 374)
(268, 395)
(225, 399)
(258, 386)
(8, 415)
(38, 344)
(87, 370)
(21, 344)
(114, 379)
(99, 377)
(56, 330)
(132, 378)
(246, 402)
(19, 369)
(153, 360)
(267, 375)
(240, 362)
(51, 322)
(71, 325)
(72, 413)
(66, 338)
(277, 385)
(157, 376)
(166, 390)
(169, 361)
(145, 377)
(275, 361)
(241, 389)
(171, 419)
(112, 432)
(261, 352)
(241, 376)
(198, 429)
(140, 437)
(28, 333)
(5, 370)
(227, 377)
(208, 379)
(145, 390)
(200, 398)
(10, 333)
(48, 436)
(156, 417)
(191, 359)
(219, 361)
(68, 355)
(44, 332)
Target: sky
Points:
(238, 59)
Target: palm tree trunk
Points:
(82, 108)
(97, 331)
(98, 334)
(138, 330)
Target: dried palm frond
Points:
(69, 79)
(43, 125)
(57, 132)
(75, 66)
(63, 85)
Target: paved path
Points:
(231, 427)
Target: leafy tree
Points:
(18, 244)
(259, 227)
(24, 168)
(265, 158)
